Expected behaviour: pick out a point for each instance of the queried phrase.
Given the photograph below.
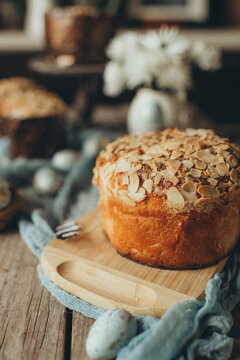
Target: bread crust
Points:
(158, 237)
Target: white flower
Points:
(119, 46)
(159, 57)
(139, 68)
(166, 40)
(175, 77)
(207, 57)
(114, 79)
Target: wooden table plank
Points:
(80, 328)
(32, 321)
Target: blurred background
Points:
(30, 46)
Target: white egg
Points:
(94, 144)
(65, 159)
(46, 181)
(110, 332)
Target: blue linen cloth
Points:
(189, 330)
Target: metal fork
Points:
(67, 229)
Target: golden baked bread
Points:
(31, 117)
(171, 198)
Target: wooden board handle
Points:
(95, 285)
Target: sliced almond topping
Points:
(212, 171)
(138, 196)
(134, 169)
(157, 178)
(204, 155)
(195, 173)
(200, 164)
(191, 131)
(187, 148)
(174, 163)
(222, 169)
(174, 180)
(165, 174)
(125, 180)
(189, 186)
(187, 164)
(189, 196)
(233, 187)
(173, 144)
(208, 191)
(232, 161)
(174, 196)
(223, 153)
(234, 175)
(134, 183)
(213, 182)
(171, 170)
(123, 165)
(176, 154)
(148, 184)
(215, 160)
(223, 146)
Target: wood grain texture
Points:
(32, 321)
(80, 329)
(109, 280)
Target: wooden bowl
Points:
(7, 215)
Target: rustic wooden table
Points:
(33, 324)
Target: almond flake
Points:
(125, 180)
(204, 155)
(165, 174)
(208, 191)
(200, 164)
(189, 186)
(176, 154)
(195, 173)
(232, 160)
(174, 163)
(148, 184)
(222, 169)
(213, 182)
(187, 164)
(171, 170)
(138, 196)
(223, 146)
(233, 187)
(173, 144)
(174, 180)
(157, 178)
(134, 183)
(134, 169)
(234, 175)
(174, 196)
(123, 166)
(189, 196)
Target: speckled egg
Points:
(110, 332)
(94, 144)
(64, 160)
(5, 194)
(47, 181)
